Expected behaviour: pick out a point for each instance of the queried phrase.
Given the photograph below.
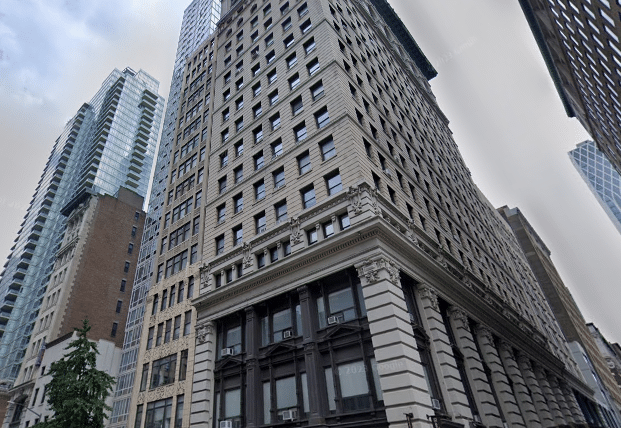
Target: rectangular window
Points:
(257, 110)
(239, 149)
(126, 268)
(306, 25)
(276, 148)
(272, 76)
(258, 160)
(289, 41)
(300, 132)
(333, 183)
(280, 210)
(123, 285)
(327, 149)
(297, 106)
(168, 331)
(259, 222)
(187, 325)
(238, 173)
(163, 371)
(294, 81)
(292, 60)
(344, 221)
(311, 234)
(304, 163)
(308, 197)
(256, 89)
(222, 185)
(270, 57)
(150, 337)
(193, 255)
(238, 202)
(279, 178)
(119, 305)
(313, 66)
(115, 326)
(322, 118)
(258, 135)
(328, 229)
(238, 235)
(259, 190)
(317, 90)
(273, 97)
(275, 121)
(309, 46)
(286, 25)
(177, 330)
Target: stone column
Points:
(550, 398)
(456, 401)
(253, 371)
(574, 407)
(556, 390)
(202, 382)
(482, 392)
(404, 386)
(524, 401)
(507, 400)
(314, 372)
(547, 421)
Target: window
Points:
(257, 110)
(273, 254)
(238, 202)
(281, 211)
(272, 76)
(304, 162)
(168, 331)
(302, 10)
(239, 173)
(259, 190)
(155, 304)
(179, 410)
(119, 305)
(187, 325)
(255, 70)
(267, 9)
(276, 148)
(344, 221)
(306, 25)
(333, 183)
(239, 103)
(222, 185)
(294, 81)
(239, 149)
(275, 121)
(267, 24)
(317, 90)
(150, 337)
(328, 229)
(193, 256)
(227, 76)
(308, 197)
(226, 95)
(279, 178)
(327, 149)
(311, 234)
(238, 235)
(300, 132)
(239, 124)
(225, 135)
(126, 267)
(313, 66)
(239, 84)
(260, 260)
(220, 244)
(270, 57)
(259, 222)
(322, 118)
(130, 248)
(163, 372)
(269, 40)
(224, 159)
(292, 60)
(258, 134)
(309, 46)
(123, 284)
(297, 105)
(144, 379)
(289, 41)
(273, 97)
(258, 160)
(286, 25)
(256, 89)
(115, 326)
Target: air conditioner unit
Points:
(289, 415)
(227, 352)
(287, 334)
(435, 404)
(226, 424)
(333, 320)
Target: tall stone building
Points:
(199, 21)
(109, 143)
(584, 348)
(345, 270)
(580, 43)
(601, 177)
(92, 278)
(611, 352)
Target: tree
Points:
(77, 391)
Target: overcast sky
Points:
(492, 84)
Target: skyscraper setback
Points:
(343, 266)
(581, 44)
(109, 143)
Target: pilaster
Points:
(202, 382)
(539, 401)
(524, 401)
(574, 407)
(507, 400)
(550, 397)
(253, 372)
(474, 367)
(442, 351)
(403, 382)
(560, 398)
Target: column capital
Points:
(524, 360)
(370, 270)
(203, 330)
(458, 314)
(427, 292)
(294, 230)
(204, 272)
(506, 346)
(485, 332)
(246, 249)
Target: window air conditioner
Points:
(435, 404)
(333, 320)
(287, 334)
(226, 424)
(289, 415)
(227, 352)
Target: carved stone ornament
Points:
(524, 361)
(369, 270)
(458, 314)
(486, 333)
(294, 227)
(507, 348)
(375, 209)
(355, 200)
(427, 292)
(247, 256)
(205, 275)
(202, 331)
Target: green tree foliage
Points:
(77, 391)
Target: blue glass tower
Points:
(601, 177)
(109, 143)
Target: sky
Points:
(492, 84)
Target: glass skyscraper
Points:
(109, 143)
(199, 21)
(601, 177)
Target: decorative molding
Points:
(369, 270)
(294, 230)
(458, 314)
(205, 275)
(202, 331)
(485, 332)
(355, 201)
(524, 361)
(426, 292)
(246, 248)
